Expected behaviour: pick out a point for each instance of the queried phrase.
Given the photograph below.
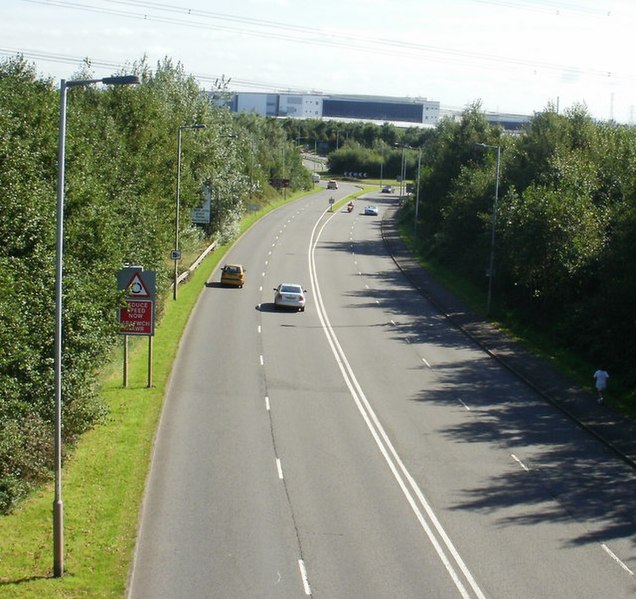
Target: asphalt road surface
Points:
(365, 448)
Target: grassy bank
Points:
(539, 342)
(104, 478)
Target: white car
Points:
(290, 295)
(371, 210)
(332, 184)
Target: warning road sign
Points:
(138, 315)
(136, 287)
(137, 318)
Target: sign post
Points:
(137, 316)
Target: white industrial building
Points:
(409, 111)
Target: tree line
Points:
(121, 164)
(565, 226)
(565, 232)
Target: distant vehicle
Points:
(370, 211)
(387, 189)
(315, 177)
(233, 275)
(332, 184)
(410, 188)
(290, 295)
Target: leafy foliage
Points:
(120, 175)
(564, 240)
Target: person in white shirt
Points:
(600, 380)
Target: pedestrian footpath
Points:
(602, 421)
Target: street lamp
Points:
(58, 506)
(175, 255)
(382, 162)
(491, 267)
(417, 192)
(403, 175)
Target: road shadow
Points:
(570, 475)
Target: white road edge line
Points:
(516, 459)
(616, 559)
(393, 460)
(303, 575)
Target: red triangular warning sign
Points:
(136, 287)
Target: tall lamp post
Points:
(58, 505)
(382, 162)
(176, 253)
(491, 266)
(402, 167)
(417, 192)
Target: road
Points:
(365, 448)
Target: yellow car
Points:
(233, 275)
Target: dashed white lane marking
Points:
(616, 559)
(392, 322)
(426, 362)
(267, 406)
(516, 459)
(279, 468)
(259, 329)
(445, 549)
(261, 359)
(303, 575)
(461, 402)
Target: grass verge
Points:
(104, 478)
(534, 340)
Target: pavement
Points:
(608, 425)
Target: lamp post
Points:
(175, 254)
(491, 266)
(382, 162)
(402, 166)
(417, 192)
(58, 505)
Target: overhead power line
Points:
(93, 62)
(209, 20)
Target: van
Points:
(315, 177)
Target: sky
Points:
(515, 56)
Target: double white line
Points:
(444, 547)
